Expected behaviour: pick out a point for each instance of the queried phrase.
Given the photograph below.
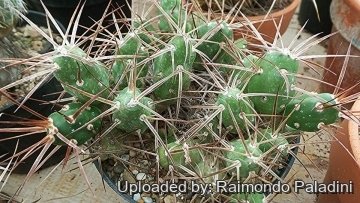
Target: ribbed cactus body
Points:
(144, 31)
(170, 4)
(243, 76)
(129, 112)
(209, 172)
(181, 54)
(308, 112)
(231, 55)
(71, 129)
(129, 45)
(177, 14)
(276, 78)
(281, 61)
(179, 17)
(178, 156)
(205, 135)
(239, 153)
(216, 33)
(120, 70)
(89, 76)
(268, 140)
(240, 107)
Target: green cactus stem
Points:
(239, 106)
(205, 168)
(247, 161)
(145, 31)
(74, 70)
(170, 4)
(181, 54)
(121, 68)
(217, 33)
(70, 128)
(231, 56)
(278, 78)
(177, 14)
(309, 112)
(129, 111)
(213, 33)
(129, 45)
(178, 156)
(243, 76)
(281, 61)
(268, 140)
(204, 135)
(168, 135)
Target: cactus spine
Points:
(79, 128)
(309, 112)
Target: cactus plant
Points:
(226, 111)
(309, 112)
(88, 76)
(179, 56)
(73, 128)
(245, 155)
(177, 156)
(235, 106)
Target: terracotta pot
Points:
(266, 26)
(344, 164)
(346, 19)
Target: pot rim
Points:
(294, 4)
(354, 137)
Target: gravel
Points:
(32, 44)
(137, 197)
(140, 176)
(147, 199)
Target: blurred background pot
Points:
(345, 15)
(344, 163)
(266, 25)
